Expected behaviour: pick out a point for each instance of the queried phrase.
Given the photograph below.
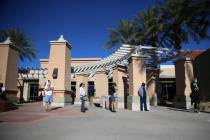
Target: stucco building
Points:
(128, 67)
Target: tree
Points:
(21, 42)
(124, 34)
(150, 26)
(184, 20)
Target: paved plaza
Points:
(31, 122)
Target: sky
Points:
(84, 23)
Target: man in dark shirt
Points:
(143, 97)
(195, 97)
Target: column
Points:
(137, 75)
(184, 76)
(59, 71)
(119, 73)
(9, 56)
(101, 87)
(101, 84)
(151, 89)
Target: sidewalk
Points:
(31, 122)
(32, 112)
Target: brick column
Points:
(137, 75)
(9, 57)
(59, 71)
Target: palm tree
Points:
(184, 19)
(21, 42)
(125, 34)
(150, 25)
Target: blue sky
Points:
(84, 23)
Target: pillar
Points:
(26, 91)
(184, 76)
(151, 89)
(119, 73)
(137, 75)
(101, 87)
(9, 56)
(59, 71)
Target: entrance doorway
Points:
(73, 86)
(126, 91)
(168, 92)
(34, 92)
(91, 85)
(110, 84)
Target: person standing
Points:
(113, 98)
(73, 95)
(2, 92)
(91, 91)
(48, 95)
(195, 97)
(143, 97)
(83, 97)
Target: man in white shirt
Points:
(83, 96)
(48, 94)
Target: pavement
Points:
(31, 122)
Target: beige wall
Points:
(82, 61)
(4, 51)
(81, 79)
(137, 74)
(59, 58)
(101, 84)
(74, 61)
(118, 74)
(151, 83)
(9, 66)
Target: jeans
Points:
(83, 104)
(143, 102)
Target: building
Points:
(128, 67)
(122, 68)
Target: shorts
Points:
(48, 98)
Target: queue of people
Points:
(142, 93)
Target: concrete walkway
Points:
(31, 122)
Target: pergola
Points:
(121, 55)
